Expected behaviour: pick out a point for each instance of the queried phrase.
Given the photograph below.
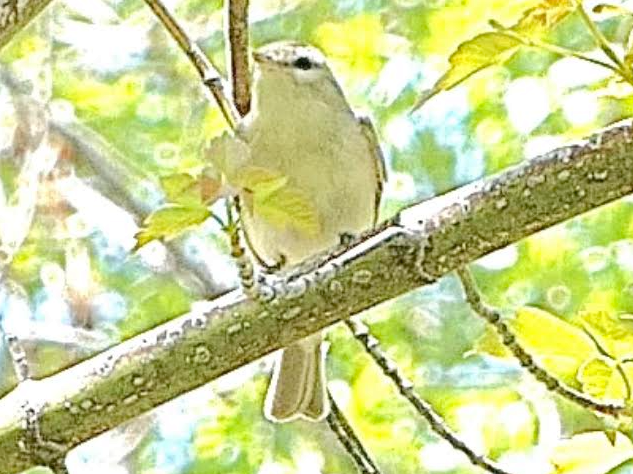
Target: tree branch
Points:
(209, 74)
(429, 240)
(16, 14)
(238, 39)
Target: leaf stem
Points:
(555, 49)
(604, 45)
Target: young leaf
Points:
(490, 343)
(178, 188)
(168, 222)
(543, 17)
(560, 347)
(287, 207)
(187, 190)
(228, 155)
(482, 51)
(601, 379)
(613, 333)
(258, 180)
(591, 453)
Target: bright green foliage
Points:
(568, 289)
(471, 57)
(170, 221)
(188, 199)
(489, 49)
(600, 378)
(559, 346)
(268, 195)
(590, 453)
(541, 18)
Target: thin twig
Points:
(213, 81)
(238, 39)
(208, 72)
(525, 359)
(405, 387)
(346, 436)
(603, 44)
(237, 15)
(18, 357)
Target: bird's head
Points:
(302, 62)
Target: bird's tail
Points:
(298, 385)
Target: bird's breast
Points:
(326, 157)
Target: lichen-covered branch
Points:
(429, 240)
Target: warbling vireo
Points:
(302, 127)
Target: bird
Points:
(302, 127)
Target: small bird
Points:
(302, 127)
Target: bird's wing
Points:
(379, 160)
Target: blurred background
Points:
(97, 103)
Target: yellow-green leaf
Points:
(601, 379)
(227, 154)
(179, 188)
(557, 345)
(259, 180)
(543, 17)
(478, 53)
(490, 343)
(591, 453)
(613, 333)
(187, 190)
(168, 222)
(287, 207)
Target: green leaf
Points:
(287, 207)
(168, 222)
(485, 50)
(227, 154)
(490, 343)
(179, 188)
(187, 190)
(601, 379)
(557, 345)
(613, 333)
(258, 180)
(543, 17)
(591, 453)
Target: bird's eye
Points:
(302, 63)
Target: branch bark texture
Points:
(425, 242)
(16, 14)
